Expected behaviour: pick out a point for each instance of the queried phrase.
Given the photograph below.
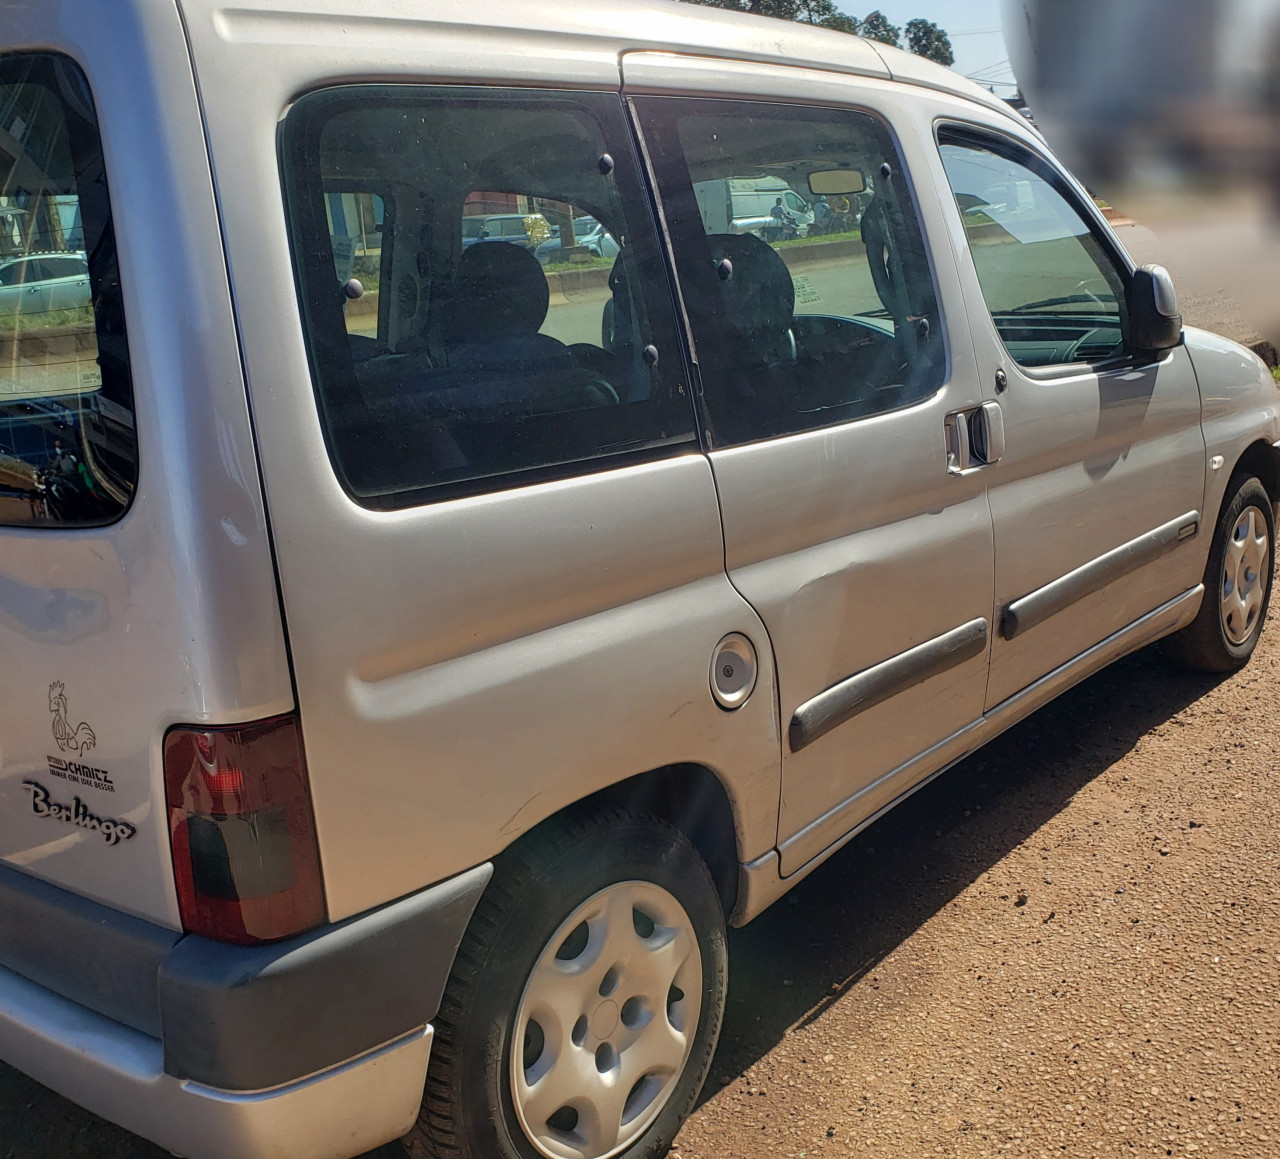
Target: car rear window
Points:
(68, 456)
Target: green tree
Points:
(821, 12)
(926, 39)
(877, 27)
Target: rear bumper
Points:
(315, 1047)
(119, 1074)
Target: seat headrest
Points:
(499, 289)
(760, 295)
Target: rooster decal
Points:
(77, 740)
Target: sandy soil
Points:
(1069, 945)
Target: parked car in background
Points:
(508, 227)
(589, 234)
(41, 282)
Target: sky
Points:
(973, 25)
(978, 40)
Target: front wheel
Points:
(1237, 583)
(586, 999)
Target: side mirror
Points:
(1154, 318)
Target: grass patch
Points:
(26, 325)
(568, 267)
(1275, 373)
(820, 239)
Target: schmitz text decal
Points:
(76, 814)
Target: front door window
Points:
(1053, 290)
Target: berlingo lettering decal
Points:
(43, 805)
(77, 740)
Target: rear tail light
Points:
(245, 858)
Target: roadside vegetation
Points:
(588, 264)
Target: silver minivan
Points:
(409, 667)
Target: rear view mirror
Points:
(1154, 317)
(836, 182)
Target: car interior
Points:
(479, 364)
(799, 338)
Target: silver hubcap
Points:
(606, 1022)
(1243, 575)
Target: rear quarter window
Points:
(68, 455)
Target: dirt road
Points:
(1067, 945)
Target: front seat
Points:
(900, 273)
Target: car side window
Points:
(1055, 293)
(492, 357)
(801, 260)
(68, 455)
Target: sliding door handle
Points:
(959, 450)
(991, 417)
(974, 438)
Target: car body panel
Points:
(1241, 404)
(169, 614)
(826, 530)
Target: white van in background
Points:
(745, 204)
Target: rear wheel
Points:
(1237, 583)
(586, 999)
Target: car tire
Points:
(564, 1029)
(1237, 583)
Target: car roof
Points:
(625, 26)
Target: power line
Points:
(991, 71)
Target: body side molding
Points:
(1030, 610)
(841, 702)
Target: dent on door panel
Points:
(857, 547)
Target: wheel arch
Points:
(1261, 460)
(690, 797)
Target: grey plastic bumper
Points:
(315, 1046)
(118, 1073)
(246, 1019)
